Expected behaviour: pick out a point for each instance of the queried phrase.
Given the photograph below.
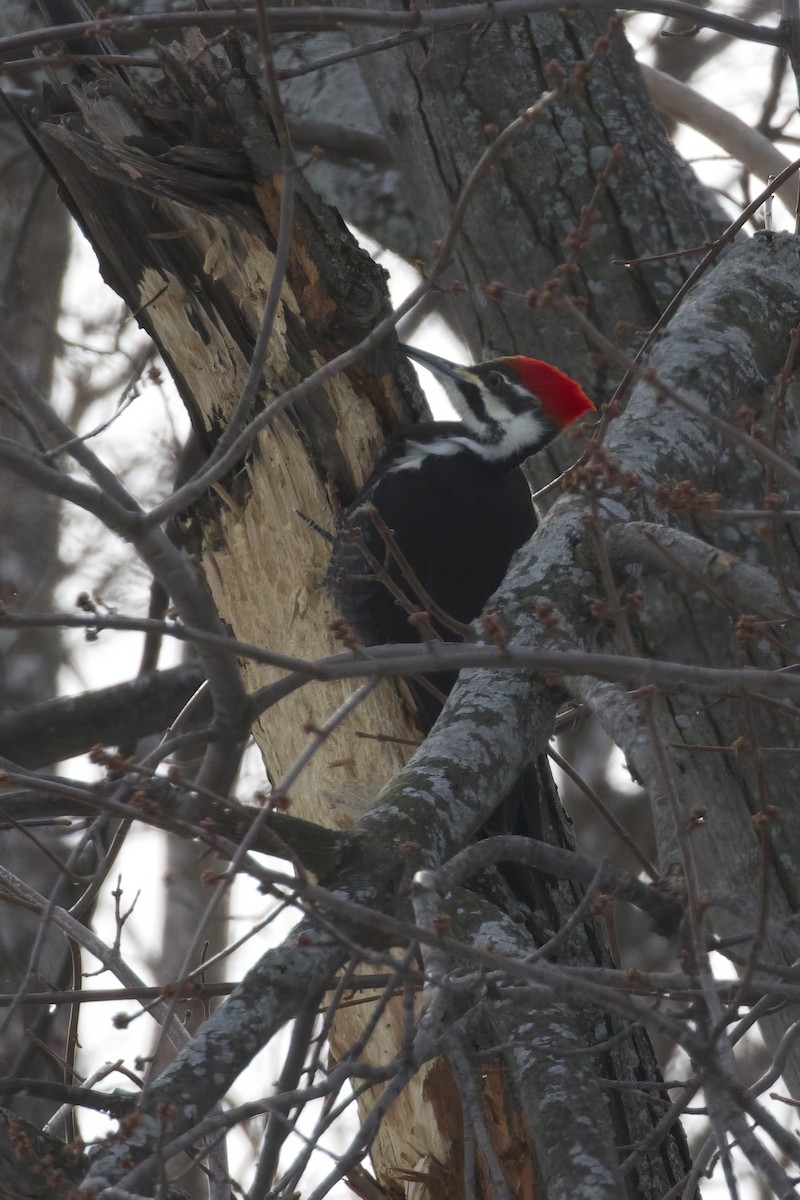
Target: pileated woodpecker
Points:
(440, 518)
(454, 501)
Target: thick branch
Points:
(749, 588)
(321, 18)
(59, 729)
(755, 151)
(264, 1002)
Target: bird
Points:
(430, 536)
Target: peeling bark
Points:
(201, 228)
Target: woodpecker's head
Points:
(510, 407)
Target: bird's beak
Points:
(439, 366)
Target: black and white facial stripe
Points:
(502, 422)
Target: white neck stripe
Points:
(519, 437)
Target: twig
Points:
(194, 488)
(424, 597)
(604, 811)
(410, 659)
(277, 1127)
(427, 21)
(565, 864)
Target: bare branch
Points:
(321, 18)
(745, 144)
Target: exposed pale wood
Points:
(197, 274)
(263, 564)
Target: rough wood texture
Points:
(442, 102)
(195, 264)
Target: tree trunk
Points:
(201, 228)
(198, 292)
(444, 100)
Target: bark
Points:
(728, 339)
(722, 351)
(198, 292)
(57, 729)
(443, 101)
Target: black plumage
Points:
(457, 520)
(457, 506)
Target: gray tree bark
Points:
(443, 100)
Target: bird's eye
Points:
(494, 379)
